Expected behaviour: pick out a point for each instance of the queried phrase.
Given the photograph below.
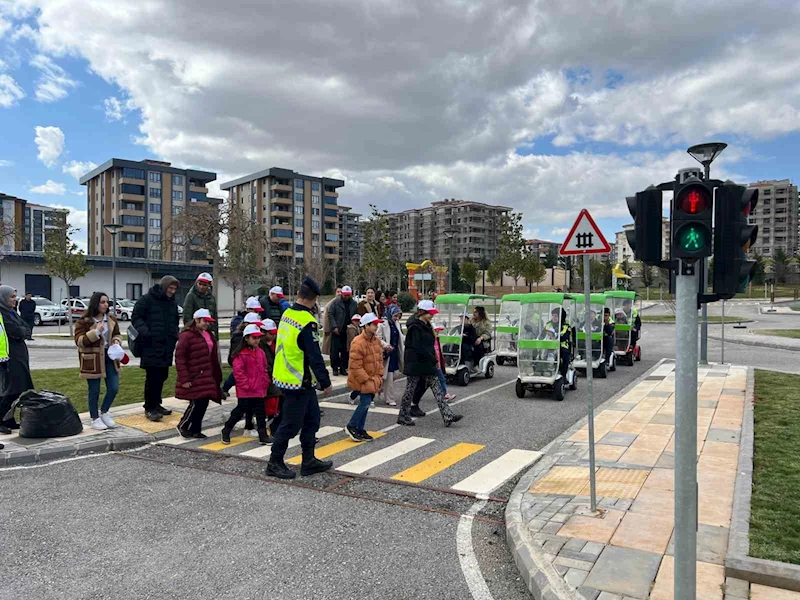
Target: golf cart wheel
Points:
(613, 366)
(574, 385)
(558, 390)
(462, 377)
(489, 370)
(630, 359)
(501, 360)
(520, 389)
(601, 371)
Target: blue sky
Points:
(404, 115)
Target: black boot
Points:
(277, 468)
(226, 434)
(264, 438)
(311, 464)
(416, 411)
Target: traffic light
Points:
(645, 239)
(692, 208)
(732, 239)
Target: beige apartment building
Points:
(299, 213)
(142, 196)
(424, 233)
(351, 236)
(25, 225)
(622, 250)
(776, 215)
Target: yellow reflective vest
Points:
(287, 373)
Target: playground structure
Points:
(425, 267)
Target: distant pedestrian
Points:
(199, 373)
(95, 332)
(441, 364)
(201, 296)
(15, 371)
(252, 305)
(368, 304)
(381, 305)
(326, 324)
(365, 376)
(339, 314)
(298, 368)
(392, 340)
(273, 304)
(155, 318)
(27, 310)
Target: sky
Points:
(544, 107)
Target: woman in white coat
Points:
(391, 338)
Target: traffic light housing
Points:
(646, 238)
(732, 239)
(692, 210)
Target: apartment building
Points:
(425, 233)
(351, 236)
(776, 215)
(25, 225)
(142, 196)
(622, 250)
(299, 213)
(541, 247)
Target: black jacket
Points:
(237, 337)
(15, 374)
(27, 308)
(340, 312)
(155, 317)
(272, 310)
(420, 353)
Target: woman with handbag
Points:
(95, 332)
(15, 371)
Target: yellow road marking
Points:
(235, 441)
(437, 463)
(334, 448)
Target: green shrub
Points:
(406, 301)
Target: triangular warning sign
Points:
(585, 237)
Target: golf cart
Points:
(625, 352)
(507, 328)
(453, 308)
(539, 345)
(597, 302)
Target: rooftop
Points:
(147, 164)
(279, 173)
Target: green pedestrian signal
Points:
(692, 239)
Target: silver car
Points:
(48, 311)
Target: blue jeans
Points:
(359, 419)
(442, 380)
(112, 387)
(229, 383)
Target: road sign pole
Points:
(704, 324)
(722, 358)
(587, 287)
(685, 433)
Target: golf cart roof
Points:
(595, 298)
(462, 298)
(625, 295)
(512, 297)
(544, 297)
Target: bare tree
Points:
(319, 268)
(197, 231)
(353, 273)
(239, 263)
(63, 260)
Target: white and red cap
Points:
(347, 291)
(428, 306)
(438, 327)
(368, 318)
(202, 313)
(277, 290)
(253, 318)
(269, 325)
(356, 317)
(205, 278)
(252, 302)
(253, 330)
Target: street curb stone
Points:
(773, 345)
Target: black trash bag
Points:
(47, 414)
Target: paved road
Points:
(179, 521)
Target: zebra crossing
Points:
(411, 460)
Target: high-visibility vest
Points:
(564, 329)
(287, 372)
(3, 341)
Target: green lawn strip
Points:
(775, 511)
(711, 319)
(786, 333)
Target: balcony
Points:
(198, 188)
(280, 211)
(329, 219)
(331, 256)
(132, 229)
(131, 244)
(132, 213)
(329, 243)
(131, 180)
(281, 187)
(131, 197)
(331, 194)
(279, 200)
(286, 226)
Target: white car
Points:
(77, 305)
(48, 311)
(125, 309)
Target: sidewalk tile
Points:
(593, 529)
(624, 571)
(562, 480)
(730, 436)
(606, 452)
(653, 501)
(667, 460)
(623, 427)
(712, 544)
(618, 439)
(762, 592)
(659, 429)
(721, 450)
(644, 458)
(644, 531)
(709, 581)
(663, 418)
(140, 422)
(713, 511)
(660, 479)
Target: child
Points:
(252, 383)
(440, 369)
(365, 375)
(251, 318)
(272, 404)
(353, 329)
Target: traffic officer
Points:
(608, 335)
(632, 316)
(558, 322)
(298, 367)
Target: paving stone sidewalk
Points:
(751, 337)
(564, 552)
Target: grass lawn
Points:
(787, 333)
(775, 511)
(131, 385)
(711, 319)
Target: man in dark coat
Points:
(155, 317)
(273, 304)
(339, 314)
(15, 373)
(27, 310)
(201, 296)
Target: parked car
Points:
(77, 305)
(48, 311)
(125, 309)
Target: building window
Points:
(155, 222)
(298, 209)
(130, 188)
(133, 291)
(176, 210)
(330, 200)
(132, 221)
(314, 212)
(129, 237)
(298, 235)
(177, 180)
(155, 176)
(154, 254)
(281, 233)
(155, 192)
(177, 195)
(155, 208)
(155, 238)
(330, 212)
(133, 173)
(315, 186)
(298, 197)
(298, 183)
(331, 237)
(314, 225)
(314, 198)
(298, 248)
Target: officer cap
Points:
(312, 285)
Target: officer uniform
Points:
(608, 337)
(636, 324)
(298, 367)
(565, 339)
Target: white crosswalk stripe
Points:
(264, 451)
(497, 472)
(384, 455)
(384, 410)
(179, 440)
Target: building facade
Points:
(622, 250)
(299, 213)
(143, 197)
(425, 233)
(25, 225)
(776, 215)
(541, 247)
(351, 237)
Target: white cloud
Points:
(50, 141)
(4, 26)
(77, 168)
(559, 231)
(51, 188)
(54, 82)
(115, 109)
(6, 163)
(10, 92)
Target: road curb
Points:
(538, 573)
(757, 343)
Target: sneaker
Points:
(4, 430)
(226, 436)
(449, 396)
(153, 415)
(335, 372)
(251, 433)
(372, 404)
(314, 465)
(416, 411)
(225, 395)
(198, 436)
(106, 418)
(353, 395)
(365, 436)
(99, 425)
(391, 403)
(406, 422)
(279, 470)
(352, 432)
(265, 439)
(164, 411)
(453, 419)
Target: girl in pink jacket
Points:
(252, 382)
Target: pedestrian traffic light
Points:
(646, 237)
(692, 208)
(733, 237)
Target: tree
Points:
(511, 246)
(494, 274)
(319, 269)
(377, 251)
(352, 274)
(646, 274)
(197, 230)
(551, 260)
(780, 265)
(597, 274)
(469, 274)
(757, 276)
(63, 260)
(533, 270)
(238, 264)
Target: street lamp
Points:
(113, 229)
(449, 234)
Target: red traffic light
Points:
(694, 200)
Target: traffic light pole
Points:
(704, 322)
(686, 432)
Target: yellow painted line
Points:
(235, 441)
(334, 448)
(437, 463)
